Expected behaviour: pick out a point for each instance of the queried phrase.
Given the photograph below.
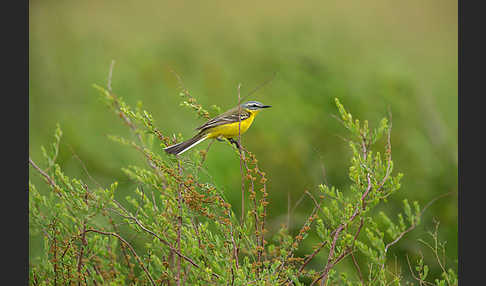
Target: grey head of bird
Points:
(254, 105)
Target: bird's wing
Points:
(229, 116)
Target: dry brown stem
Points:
(129, 247)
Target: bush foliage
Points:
(188, 234)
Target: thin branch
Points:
(84, 243)
(252, 196)
(329, 263)
(291, 252)
(415, 222)
(84, 167)
(324, 176)
(388, 151)
(412, 227)
(55, 260)
(154, 204)
(288, 210)
(241, 158)
(298, 202)
(313, 199)
(204, 155)
(357, 210)
(129, 247)
(196, 231)
(125, 118)
(89, 273)
(341, 227)
(235, 248)
(356, 265)
(131, 217)
(261, 85)
(415, 277)
(48, 179)
(179, 220)
(53, 161)
(83, 236)
(123, 247)
(197, 107)
(110, 73)
(36, 282)
(311, 256)
(264, 214)
(436, 251)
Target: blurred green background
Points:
(372, 55)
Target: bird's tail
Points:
(182, 147)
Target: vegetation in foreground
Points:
(188, 234)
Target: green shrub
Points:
(187, 232)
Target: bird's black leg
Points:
(231, 140)
(237, 144)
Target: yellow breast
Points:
(231, 130)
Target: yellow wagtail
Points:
(226, 125)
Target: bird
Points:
(228, 125)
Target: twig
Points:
(68, 246)
(261, 85)
(413, 274)
(55, 253)
(252, 196)
(179, 200)
(129, 247)
(204, 155)
(324, 177)
(80, 258)
(298, 202)
(415, 222)
(313, 199)
(364, 145)
(412, 227)
(97, 272)
(84, 167)
(436, 251)
(123, 247)
(36, 282)
(329, 257)
(341, 227)
(295, 244)
(89, 273)
(131, 217)
(110, 73)
(259, 224)
(356, 265)
(196, 230)
(125, 118)
(235, 248)
(311, 256)
(388, 151)
(241, 158)
(264, 214)
(49, 179)
(83, 237)
(198, 107)
(155, 208)
(330, 264)
(288, 210)
(53, 161)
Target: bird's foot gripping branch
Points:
(180, 228)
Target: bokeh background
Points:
(373, 55)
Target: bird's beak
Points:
(265, 106)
